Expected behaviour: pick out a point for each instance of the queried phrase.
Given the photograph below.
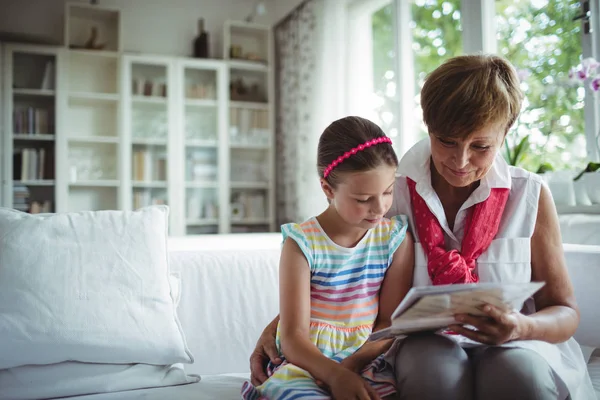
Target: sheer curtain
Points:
(309, 47)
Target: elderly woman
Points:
(476, 219)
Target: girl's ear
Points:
(327, 189)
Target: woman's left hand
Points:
(497, 328)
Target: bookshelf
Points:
(149, 136)
(29, 127)
(203, 115)
(87, 129)
(248, 53)
(90, 139)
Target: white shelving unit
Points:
(149, 134)
(248, 50)
(91, 140)
(203, 125)
(127, 130)
(29, 131)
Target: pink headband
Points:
(360, 147)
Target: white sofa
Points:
(229, 293)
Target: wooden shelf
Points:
(94, 96)
(39, 182)
(202, 222)
(96, 183)
(93, 139)
(251, 221)
(249, 104)
(248, 65)
(202, 185)
(93, 53)
(249, 185)
(149, 100)
(149, 141)
(201, 103)
(34, 137)
(201, 143)
(149, 185)
(592, 209)
(250, 146)
(34, 92)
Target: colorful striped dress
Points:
(345, 284)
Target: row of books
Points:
(33, 164)
(149, 166)
(33, 121)
(22, 201)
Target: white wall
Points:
(149, 26)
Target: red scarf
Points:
(483, 219)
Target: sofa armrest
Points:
(583, 262)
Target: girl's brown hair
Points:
(345, 134)
(468, 93)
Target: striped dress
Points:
(345, 284)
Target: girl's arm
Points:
(294, 305)
(396, 283)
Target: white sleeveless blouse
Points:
(508, 258)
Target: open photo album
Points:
(430, 308)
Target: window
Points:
(543, 41)
(435, 36)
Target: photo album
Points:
(430, 308)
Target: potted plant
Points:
(587, 184)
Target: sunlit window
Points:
(543, 41)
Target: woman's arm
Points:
(557, 314)
(294, 306)
(397, 282)
(265, 351)
(557, 317)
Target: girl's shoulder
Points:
(392, 232)
(305, 229)
(393, 225)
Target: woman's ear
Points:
(327, 189)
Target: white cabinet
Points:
(148, 132)
(30, 127)
(95, 129)
(203, 155)
(248, 50)
(89, 140)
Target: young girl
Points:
(342, 274)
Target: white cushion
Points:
(71, 379)
(594, 370)
(89, 287)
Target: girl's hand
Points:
(352, 364)
(497, 328)
(349, 363)
(347, 385)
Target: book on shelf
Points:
(432, 308)
(21, 198)
(48, 78)
(33, 164)
(148, 166)
(39, 207)
(32, 121)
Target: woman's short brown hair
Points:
(468, 93)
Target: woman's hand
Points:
(344, 384)
(265, 350)
(497, 328)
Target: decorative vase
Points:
(201, 41)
